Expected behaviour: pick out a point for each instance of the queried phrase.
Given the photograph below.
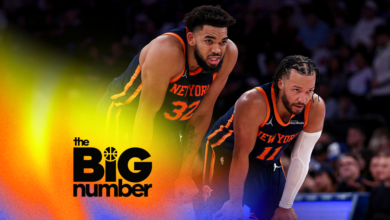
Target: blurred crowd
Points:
(349, 40)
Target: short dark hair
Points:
(207, 15)
(302, 64)
(348, 154)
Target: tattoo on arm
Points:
(189, 137)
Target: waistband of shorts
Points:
(260, 163)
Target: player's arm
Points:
(163, 60)
(300, 158)
(198, 124)
(250, 112)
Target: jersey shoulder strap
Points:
(181, 35)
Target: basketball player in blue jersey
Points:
(243, 149)
(164, 101)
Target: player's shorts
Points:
(115, 126)
(263, 188)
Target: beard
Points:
(203, 64)
(288, 105)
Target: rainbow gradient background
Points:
(45, 103)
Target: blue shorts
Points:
(263, 187)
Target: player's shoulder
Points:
(231, 48)
(317, 103)
(230, 59)
(253, 99)
(167, 44)
(252, 106)
(315, 121)
(166, 50)
(231, 54)
(317, 106)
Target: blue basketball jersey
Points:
(182, 97)
(273, 135)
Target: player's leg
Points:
(114, 124)
(197, 175)
(167, 154)
(257, 190)
(103, 118)
(264, 189)
(215, 189)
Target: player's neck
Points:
(192, 64)
(284, 114)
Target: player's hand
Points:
(284, 214)
(230, 211)
(184, 189)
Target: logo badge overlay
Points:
(88, 169)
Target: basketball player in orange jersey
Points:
(164, 101)
(247, 142)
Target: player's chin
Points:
(213, 68)
(212, 65)
(297, 112)
(297, 109)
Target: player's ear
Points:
(280, 83)
(191, 39)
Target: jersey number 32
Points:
(178, 113)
